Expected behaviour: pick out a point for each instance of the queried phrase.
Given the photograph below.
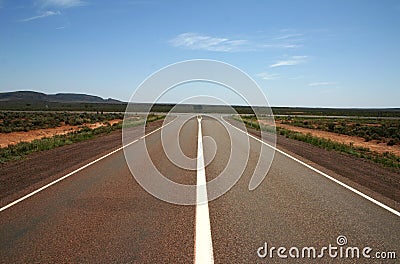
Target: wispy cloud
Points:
(197, 41)
(289, 36)
(321, 83)
(281, 46)
(290, 46)
(294, 60)
(268, 76)
(43, 15)
(288, 39)
(47, 8)
(60, 4)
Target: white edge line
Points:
(77, 170)
(323, 174)
(203, 241)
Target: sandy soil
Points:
(357, 141)
(16, 137)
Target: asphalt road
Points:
(102, 215)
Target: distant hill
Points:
(34, 101)
(34, 97)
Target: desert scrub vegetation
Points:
(153, 117)
(26, 121)
(252, 122)
(387, 159)
(393, 112)
(22, 149)
(381, 130)
(134, 120)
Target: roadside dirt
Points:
(17, 137)
(356, 141)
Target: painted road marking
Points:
(77, 170)
(203, 241)
(322, 173)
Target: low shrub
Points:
(20, 150)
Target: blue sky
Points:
(301, 53)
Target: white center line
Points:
(203, 242)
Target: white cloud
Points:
(197, 41)
(321, 83)
(281, 46)
(59, 4)
(294, 60)
(302, 57)
(43, 15)
(268, 76)
(289, 36)
(290, 46)
(289, 39)
(46, 7)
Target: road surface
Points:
(100, 214)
